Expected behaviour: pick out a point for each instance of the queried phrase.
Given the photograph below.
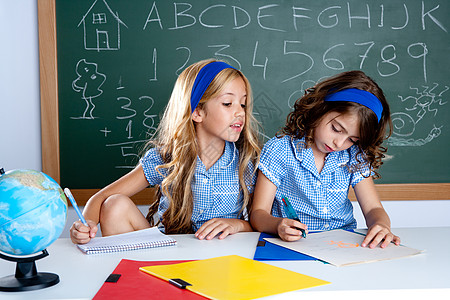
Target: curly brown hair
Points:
(311, 108)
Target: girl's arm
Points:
(127, 185)
(377, 220)
(261, 217)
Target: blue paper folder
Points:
(269, 251)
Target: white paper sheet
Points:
(341, 248)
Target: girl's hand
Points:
(225, 227)
(289, 231)
(81, 234)
(377, 234)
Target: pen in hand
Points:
(290, 212)
(75, 206)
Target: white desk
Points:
(421, 276)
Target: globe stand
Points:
(27, 277)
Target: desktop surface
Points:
(428, 273)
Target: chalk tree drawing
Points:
(88, 82)
(425, 102)
(101, 27)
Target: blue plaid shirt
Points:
(215, 191)
(320, 199)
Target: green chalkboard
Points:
(118, 61)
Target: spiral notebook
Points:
(141, 239)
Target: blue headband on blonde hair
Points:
(203, 80)
(365, 98)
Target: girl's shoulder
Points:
(355, 155)
(152, 156)
(283, 147)
(356, 161)
(285, 142)
(149, 162)
(278, 141)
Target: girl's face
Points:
(223, 117)
(336, 132)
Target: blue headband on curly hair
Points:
(365, 98)
(203, 80)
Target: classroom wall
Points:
(20, 115)
(20, 141)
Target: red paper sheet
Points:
(135, 284)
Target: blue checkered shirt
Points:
(215, 191)
(320, 199)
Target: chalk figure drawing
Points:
(425, 102)
(88, 82)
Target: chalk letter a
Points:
(157, 19)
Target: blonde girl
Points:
(202, 161)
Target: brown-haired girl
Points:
(331, 141)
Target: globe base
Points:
(27, 277)
(39, 281)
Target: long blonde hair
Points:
(176, 142)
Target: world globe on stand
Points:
(33, 212)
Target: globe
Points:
(33, 211)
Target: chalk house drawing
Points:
(88, 82)
(424, 103)
(101, 27)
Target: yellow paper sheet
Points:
(234, 277)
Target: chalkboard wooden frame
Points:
(50, 125)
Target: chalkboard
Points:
(117, 62)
